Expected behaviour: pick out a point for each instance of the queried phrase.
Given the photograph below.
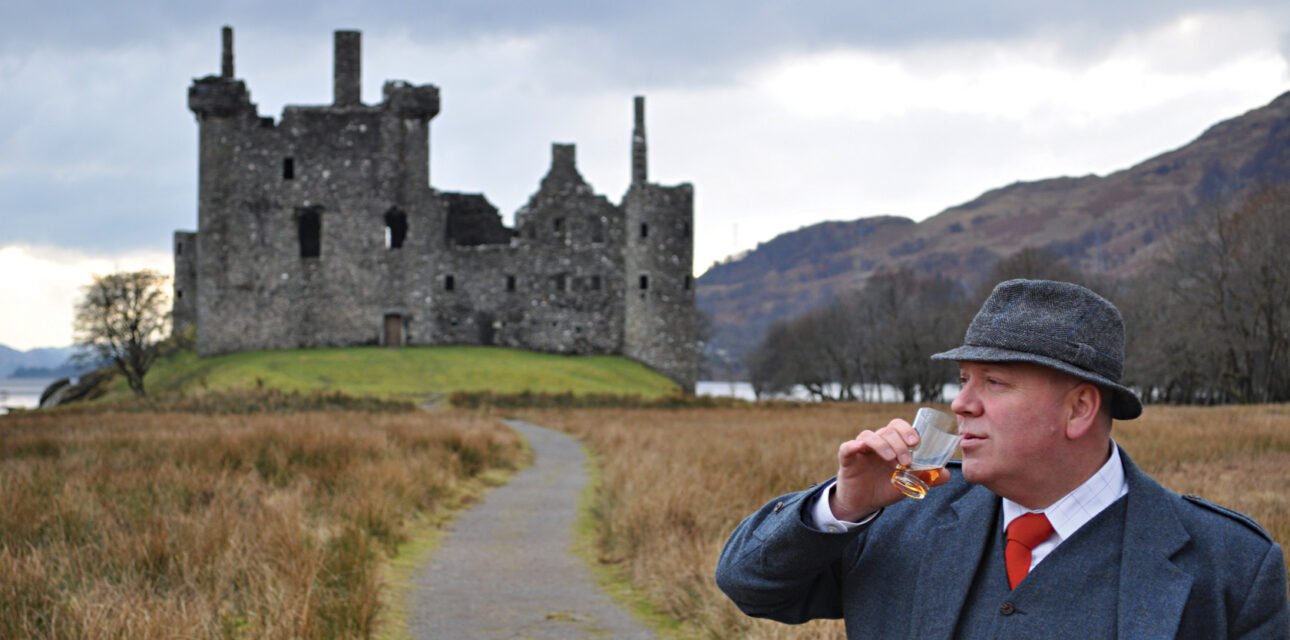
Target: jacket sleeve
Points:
(775, 566)
(1265, 613)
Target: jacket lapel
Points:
(1153, 591)
(954, 547)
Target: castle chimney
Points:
(226, 61)
(639, 173)
(563, 157)
(347, 76)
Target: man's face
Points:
(1011, 417)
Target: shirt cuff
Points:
(822, 515)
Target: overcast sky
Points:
(781, 114)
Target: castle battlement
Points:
(322, 230)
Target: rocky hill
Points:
(1101, 224)
(48, 361)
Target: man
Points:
(1047, 530)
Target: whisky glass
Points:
(938, 436)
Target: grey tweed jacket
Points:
(1188, 569)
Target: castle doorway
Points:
(393, 330)
(487, 332)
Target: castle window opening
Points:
(179, 293)
(179, 248)
(644, 230)
(396, 229)
(685, 230)
(595, 283)
(449, 282)
(561, 282)
(598, 230)
(558, 225)
(510, 283)
(689, 281)
(309, 230)
(288, 168)
(644, 281)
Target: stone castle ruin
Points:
(322, 230)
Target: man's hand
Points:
(865, 465)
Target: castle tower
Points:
(660, 327)
(223, 108)
(291, 247)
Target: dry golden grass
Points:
(675, 483)
(186, 526)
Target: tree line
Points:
(1207, 320)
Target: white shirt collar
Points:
(1076, 508)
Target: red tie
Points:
(1023, 534)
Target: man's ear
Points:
(1083, 404)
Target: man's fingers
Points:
(865, 464)
(941, 478)
(890, 443)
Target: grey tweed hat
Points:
(1056, 324)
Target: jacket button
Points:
(1007, 609)
(779, 507)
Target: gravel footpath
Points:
(505, 570)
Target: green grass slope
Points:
(412, 373)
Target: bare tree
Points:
(770, 364)
(1215, 311)
(1260, 230)
(830, 368)
(914, 318)
(883, 333)
(1034, 263)
(121, 320)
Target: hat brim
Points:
(1125, 404)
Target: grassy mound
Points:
(409, 374)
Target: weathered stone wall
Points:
(184, 312)
(322, 230)
(261, 285)
(572, 243)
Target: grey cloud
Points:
(103, 212)
(656, 42)
(606, 48)
(1285, 46)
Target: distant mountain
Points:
(1107, 224)
(53, 359)
(788, 275)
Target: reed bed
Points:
(167, 525)
(675, 484)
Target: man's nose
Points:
(966, 403)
